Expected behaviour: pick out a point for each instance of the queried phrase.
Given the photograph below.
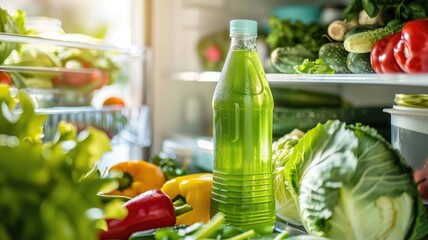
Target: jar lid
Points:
(243, 26)
(412, 100)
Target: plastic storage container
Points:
(409, 134)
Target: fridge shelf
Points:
(64, 70)
(71, 41)
(277, 78)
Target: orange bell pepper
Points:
(196, 190)
(138, 177)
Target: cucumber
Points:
(290, 97)
(359, 63)
(363, 42)
(285, 58)
(359, 29)
(334, 54)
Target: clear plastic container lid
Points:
(415, 119)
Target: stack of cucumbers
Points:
(353, 54)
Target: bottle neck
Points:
(243, 41)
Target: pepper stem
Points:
(180, 207)
(125, 181)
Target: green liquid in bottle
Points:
(242, 174)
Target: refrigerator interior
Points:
(182, 105)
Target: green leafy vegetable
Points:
(318, 66)
(10, 24)
(391, 9)
(286, 208)
(214, 229)
(349, 183)
(169, 165)
(48, 189)
(286, 33)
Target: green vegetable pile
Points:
(287, 33)
(402, 10)
(214, 229)
(48, 190)
(346, 182)
(293, 42)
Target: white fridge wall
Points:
(177, 27)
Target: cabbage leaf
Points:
(286, 208)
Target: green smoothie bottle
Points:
(242, 113)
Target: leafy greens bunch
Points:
(346, 182)
(402, 10)
(10, 23)
(48, 190)
(286, 33)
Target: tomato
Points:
(5, 78)
(421, 179)
(114, 101)
(77, 79)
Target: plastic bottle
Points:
(242, 113)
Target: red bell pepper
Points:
(411, 51)
(151, 209)
(382, 55)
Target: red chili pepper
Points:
(5, 78)
(382, 55)
(411, 51)
(151, 209)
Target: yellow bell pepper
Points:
(138, 177)
(196, 189)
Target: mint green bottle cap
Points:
(243, 26)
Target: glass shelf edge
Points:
(277, 78)
(134, 50)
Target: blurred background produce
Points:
(49, 190)
(56, 70)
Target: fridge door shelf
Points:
(65, 69)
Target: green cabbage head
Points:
(349, 183)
